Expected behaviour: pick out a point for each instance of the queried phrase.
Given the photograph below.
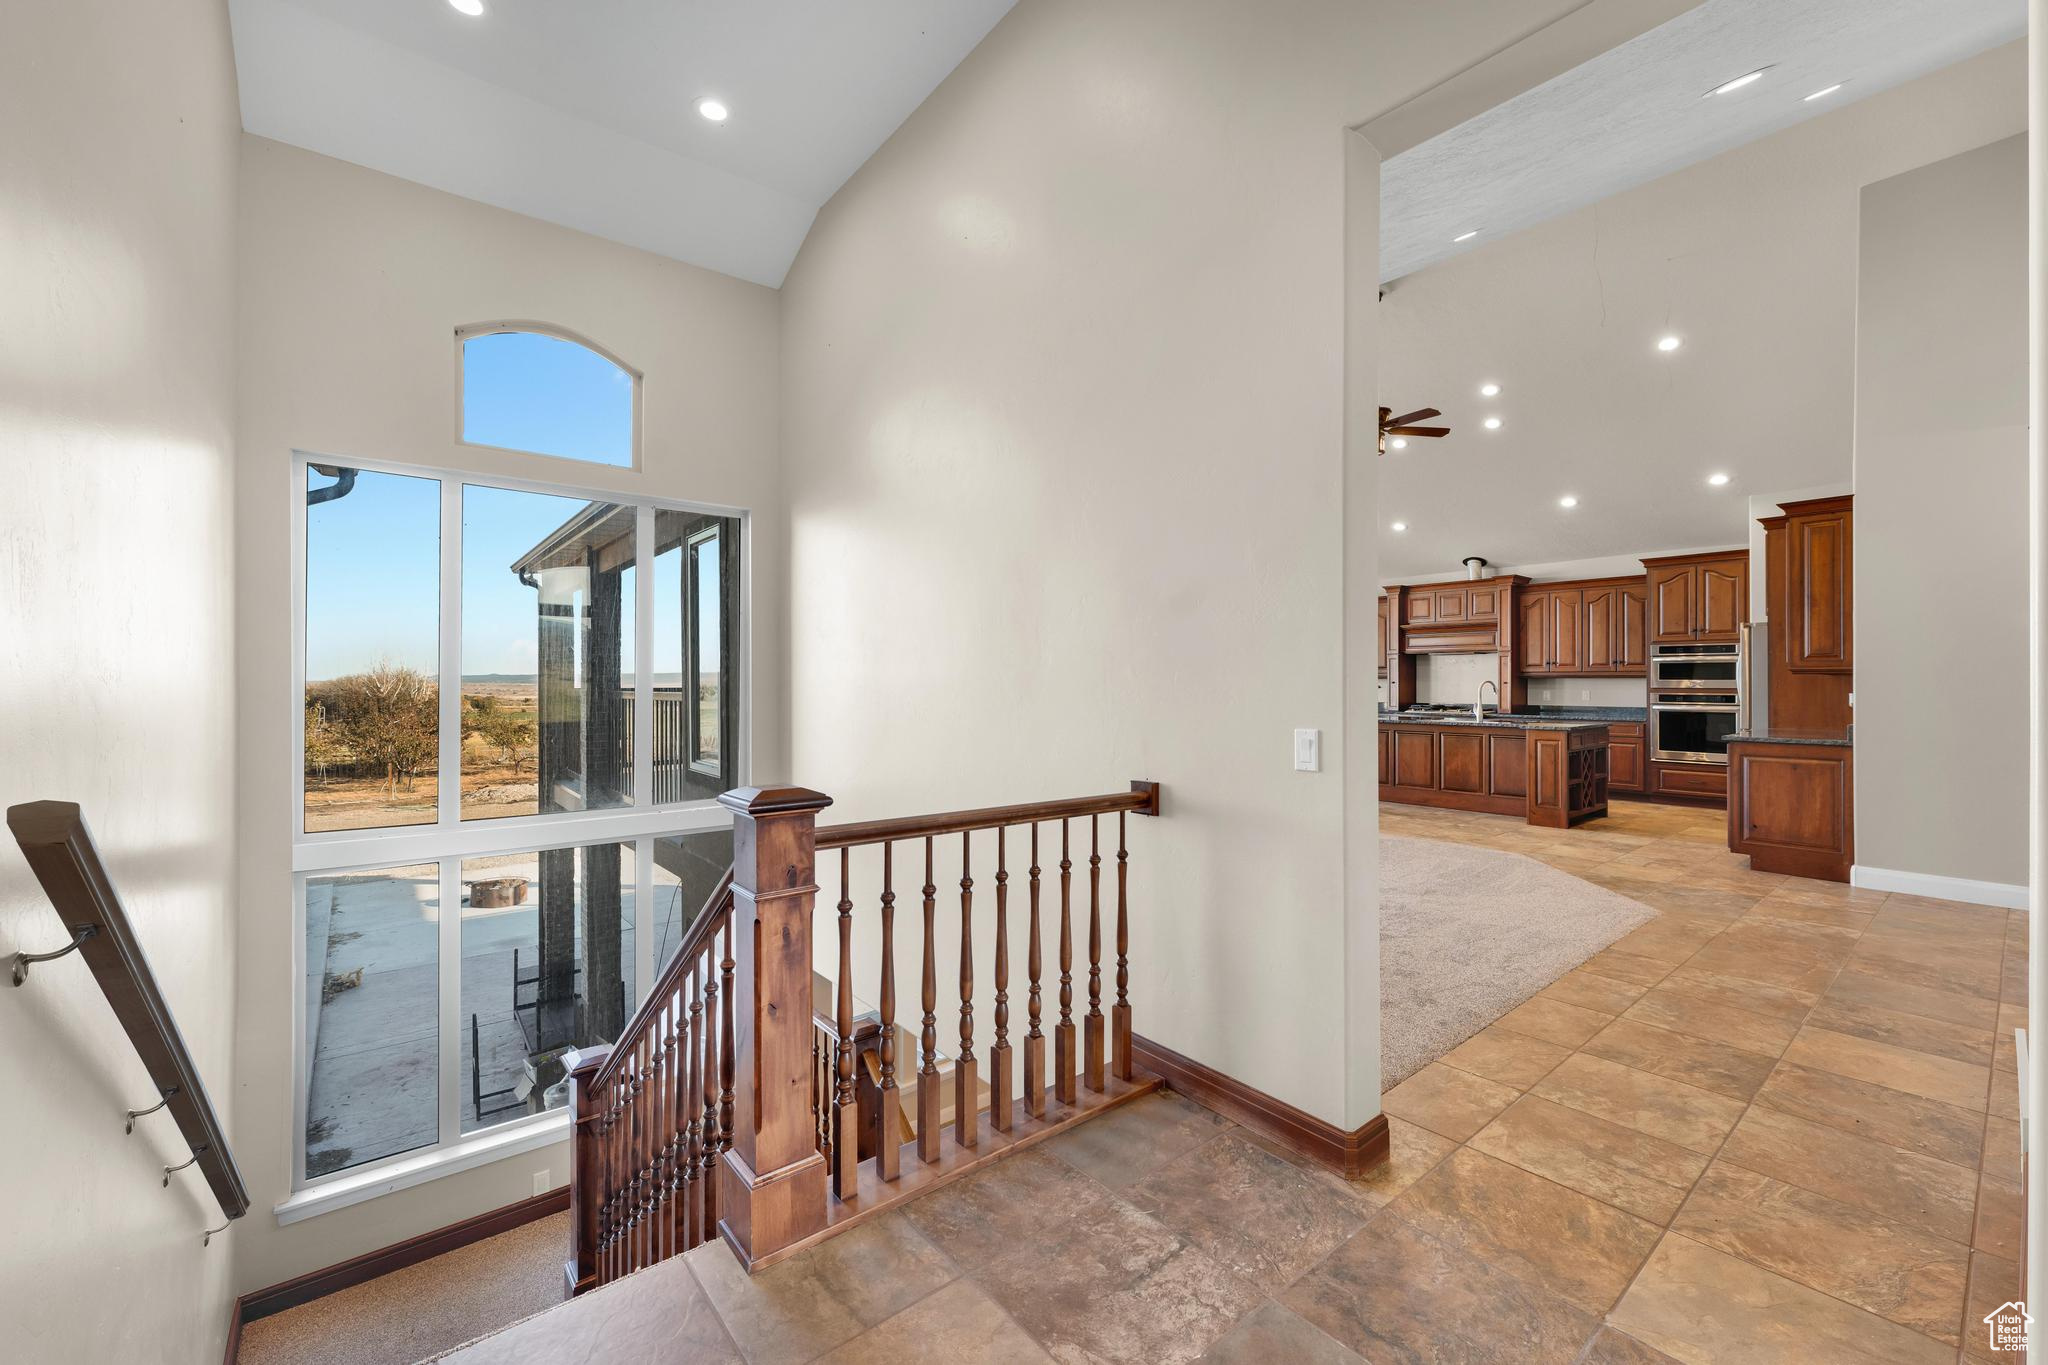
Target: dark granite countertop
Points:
(1610, 713)
(1765, 737)
(1493, 721)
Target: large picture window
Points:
(519, 702)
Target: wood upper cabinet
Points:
(1418, 608)
(1672, 588)
(1589, 628)
(1532, 636)
(1567, 630)
(1631, 629)
(1702, 600)
(1819, 583)
(1386, 631)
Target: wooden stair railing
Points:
(739, 1103)
(61, 852)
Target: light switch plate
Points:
(1308, 751)
(541, 1183)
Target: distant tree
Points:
(324, 746)
(509, 733)
(389, 717)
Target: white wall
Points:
(117, 238)
(1941, 520)
(1065, 437)
(353, 284)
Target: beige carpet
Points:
(1467, 934)
(424, 1309)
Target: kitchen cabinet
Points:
(1819, 586)
(1698, 599)
(1555, 775)
(1627, 756)
(1792, 807)
(1587, 629)
(1386, 632)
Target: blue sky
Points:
(373, 556)
(373, 565)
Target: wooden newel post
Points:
(580, 1272)
(772, 1190)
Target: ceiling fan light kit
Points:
(1402, 426)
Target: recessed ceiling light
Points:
(1399, 443)
(1492, 424)
(1489, 390)
(1669, 343)
(1567, 501)
(713, 109)
(1729, 87)
(1400, 526)
(472, 8)
(1823, 94)
(1718, 480)
(1465, 236)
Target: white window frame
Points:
(450, 839)
(547, 329)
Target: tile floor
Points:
(1777, 1123)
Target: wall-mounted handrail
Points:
(60, 851)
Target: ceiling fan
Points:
(1391, 425)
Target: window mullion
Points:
(643, 657)
(450, 998)
(643, 919)
(449, 787)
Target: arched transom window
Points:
(526, 386)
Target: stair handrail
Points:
(60, 851)
(717, 909)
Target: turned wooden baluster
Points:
(715, 1197)
(704, 1019)
(888, 1144)
(1034, 1040)
(1094, 1032)
(999, 1112)
(966, 1088)
(1063, 1032)
(845, 1113)
(690, 1110)
(1120, 1016)
(928, 1103)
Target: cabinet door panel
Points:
(1386, 632)
(1483, 604)
(1671, 603)
(1625, 764)
(1819, 592)
(1450, 605)
(1414, 758)
(1386, 757)
(1463, 759)
(1508, 755)
(1532, 640)
(1567, 630)
(1631, 631)
(1420, 609)
(1601, 630)
(1723, 601)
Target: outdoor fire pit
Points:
(497, 892)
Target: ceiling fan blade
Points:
(1419, 431)
(1419, 415)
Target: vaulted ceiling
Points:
(1640, 110)
(584, 113)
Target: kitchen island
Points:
(1552, 772)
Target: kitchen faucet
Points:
(1479, 702)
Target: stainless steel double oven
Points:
(1695, 696)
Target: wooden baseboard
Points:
(1351, 1154)
(368, 1266)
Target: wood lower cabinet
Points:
(1699, 781)
(1627, 756)
(1792, 808)
(1549, 777)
